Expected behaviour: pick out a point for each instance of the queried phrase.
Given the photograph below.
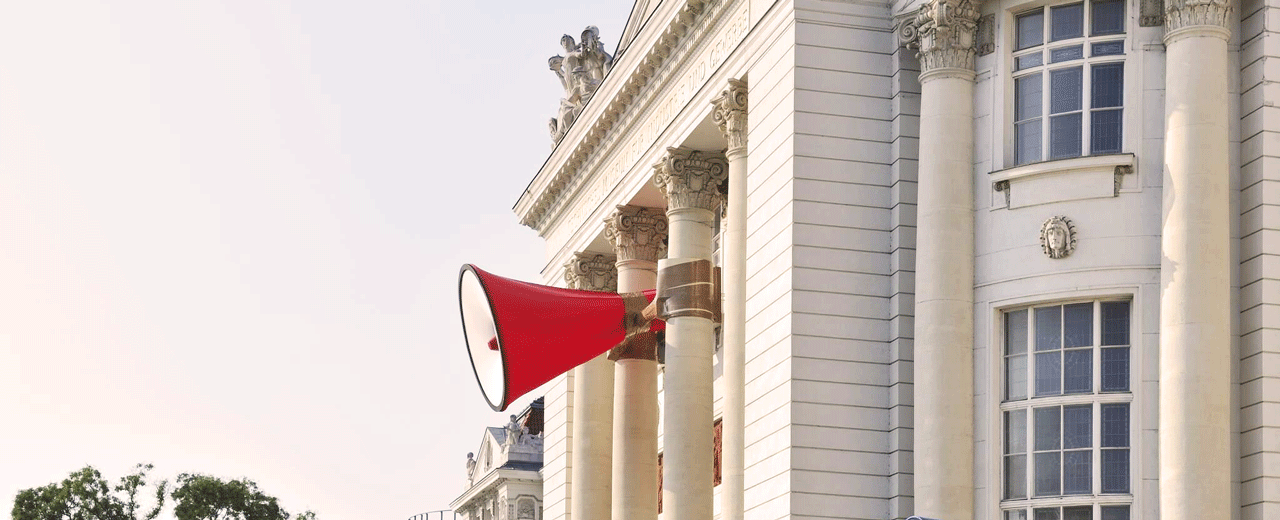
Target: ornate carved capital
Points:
(1181, 14)
(691, 178)
(731, 115)
(637, 233)
(943, 33)
(591, 272)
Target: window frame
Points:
(1096, 398)
(1008, 132)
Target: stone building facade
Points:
(982, 260)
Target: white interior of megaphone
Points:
(479, 326)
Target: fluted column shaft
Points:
(943, 33)
(1195, 306)
(592, 456)
(637, 236)
(690, 181)
(731, 115)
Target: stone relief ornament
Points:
(943, 33)
(690, 178)
(730, 115)
(580, 70)
(637, 233)
(1179, 14)
(1058, 237)
(526, 510)
(591, 272)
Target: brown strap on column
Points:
(639, 343)
(689, 289)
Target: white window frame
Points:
(1140, 404)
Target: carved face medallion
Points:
(1058, 237)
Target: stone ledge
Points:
(1078, 178)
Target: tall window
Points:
(1066, 412)
(1068, 63)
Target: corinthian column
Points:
(637, 235)
(731, 114)
(690, 181)
(592, 458)
(943, 33)
(1195, 320)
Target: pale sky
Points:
(230, 233)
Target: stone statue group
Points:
(580, 69)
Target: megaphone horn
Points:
(521, 335)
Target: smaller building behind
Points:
(504, 480)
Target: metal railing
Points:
(443, 514)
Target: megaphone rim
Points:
(475, 271)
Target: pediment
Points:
(640, 13)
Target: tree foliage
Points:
(86, 495)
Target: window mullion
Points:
(1086, 104)
(1096, 476)
(1097, 350)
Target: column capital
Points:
(589, 271)
(690, 178)
(943, 33)
(1184, 16)
(637, 233)
(731, 115)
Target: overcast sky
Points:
(230, 232)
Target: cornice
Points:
(619, 104)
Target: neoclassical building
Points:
(1008, 259)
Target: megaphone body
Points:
(520, 335)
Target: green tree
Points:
(202, 497)
(85, 495)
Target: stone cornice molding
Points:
(622, 98)
(730, 115)
(943, 33)
(1181, 15)
(592, 272)
(637, 233)
(691, 179)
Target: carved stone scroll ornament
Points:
(691, 178)
(986, 35)
(637, 233)
(731, 115)
(580, 70)
(1179, 14)
(943, 33)
(1058, 237)
(591, 272)
(1151, 13)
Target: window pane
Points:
(1015, 437)
(1065, 90)
(1115, 425)
(1074, 52)
(1015, 332)
(1077, 473)
(1108, 48)
(1030, 29)
(1115, 471)
(1064, 136)
(1029, 141)
(1027, 90)
(1048, 428)
(1108, 85)
(1115, 323)
(1077, 513)
(1115, 369)
(1048, 373)
(1078, 378)
(1046, 513)
(1077, 325)
(1048, 328)
(1016, 382)
(1048, 477)
(1068, 21)
(1108, 17)
(1077, 426)
(1027, 61)
(1115, 512)
(1104, 131)
(1017, 514)
(1015, 476)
